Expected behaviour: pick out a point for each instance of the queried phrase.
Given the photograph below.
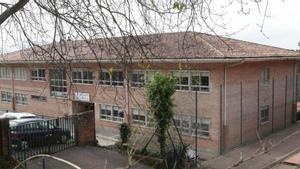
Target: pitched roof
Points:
(179, 46)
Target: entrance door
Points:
(298, 116)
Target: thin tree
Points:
(159, 93)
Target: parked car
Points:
(34, 132)
(18, 115)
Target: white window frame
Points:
(189, 86)
(264, 119)
(20, 73)
(38, 76)
(138, 112)
(5, 73)
(111, 81)
(189, 128)
(8, 96)
(139, 82)
(82, 80)
(21, 99)
(54, 83)
(266, 76)
(111, 117)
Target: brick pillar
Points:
(85, 128)
(4, 137)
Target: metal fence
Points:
(39, 136)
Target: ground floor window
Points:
(39, 98)
(188, 125)
(6, 96)
(111, 113)
(264, 114)
(21, 99)
(142, 117)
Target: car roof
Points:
(29, 120)
(18, 115)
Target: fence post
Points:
(273, 90)
(241, 120)
(4, 138)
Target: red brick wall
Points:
(208, 103)
(249, 74)
(85, 128)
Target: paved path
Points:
(86, 157)
(259, 162)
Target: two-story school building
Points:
(236, 89)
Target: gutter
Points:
(168, 60)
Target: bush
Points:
(125, 132)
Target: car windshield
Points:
(33, 125)
(28, 117)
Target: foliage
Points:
(125, 132)
(159, 93)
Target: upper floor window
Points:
(138, 79)
(21, 99)
(266, 75)
(20, 73)
(182, 80)
(58, 82)
(38, 74)
(5, 73)
(6, 96)
(83, 76)
(264, 114)
(192, 80)
(115, 77)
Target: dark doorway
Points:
(298, 116)
(79, 107)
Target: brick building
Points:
(242, 88)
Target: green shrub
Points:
(125, 132)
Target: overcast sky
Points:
(282, 28)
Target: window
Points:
(200, 81)
(6, 96)
(118, 113)
(83, 76)
(20, 73)
(182, 80)
(138, 79)
(202, 127)
(58, 83)
(111, 113)
(266, 75)
(104, 77)
(5, 73)
(38, 74)
(21, 99)
(39, 98)
(150, 75)
(138, 117)
(114, 78)
(264, 114)
(105, 112)
(187, 125)
(192, 80)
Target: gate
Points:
(41, 136)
